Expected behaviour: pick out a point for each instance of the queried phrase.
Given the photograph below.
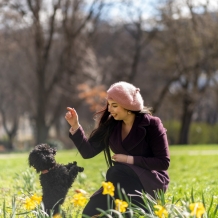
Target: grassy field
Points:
(192, 167)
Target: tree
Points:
(190, 51)
(11, 99)
(94, 96)
(52, 30)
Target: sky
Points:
(118, 12)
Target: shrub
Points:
(200, 133)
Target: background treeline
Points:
(60, 53)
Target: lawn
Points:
(192, 167)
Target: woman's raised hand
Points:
(72, 118)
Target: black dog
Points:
(55, 179)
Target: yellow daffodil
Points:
(108, 188)
(79, 199)
(197, 209)
(37, 199)
(31, 202)
(160, 211)
(121, 205)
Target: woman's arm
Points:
(77, 135)
(85, 148)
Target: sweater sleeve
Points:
(157, 140)
(85, 148)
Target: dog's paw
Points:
(80, 169)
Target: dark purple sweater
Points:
(146, 142)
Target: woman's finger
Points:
(71, 109)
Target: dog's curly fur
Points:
(56, 179)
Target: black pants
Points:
(127, 179)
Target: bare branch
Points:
(51, 32)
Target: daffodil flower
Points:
(37, 199)
(31, 202)
(197, 209)
(108, 188)
(79, 199)
(120, 205)
(160, 211)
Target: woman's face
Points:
(118, 112)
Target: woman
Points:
(137, 139)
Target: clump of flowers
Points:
(158, 207)
(108, 188)
(32, 202)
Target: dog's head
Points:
(42, 157)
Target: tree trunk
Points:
(42, 131)
(11, 141)
(42, 98)
(188, 110)
(11, 132)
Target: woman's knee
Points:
(97, 201)
(112, 173)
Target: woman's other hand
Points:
(72, 118)
(123, 158)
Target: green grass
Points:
(193, 167)
(190, 167)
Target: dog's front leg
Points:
(69, 165)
